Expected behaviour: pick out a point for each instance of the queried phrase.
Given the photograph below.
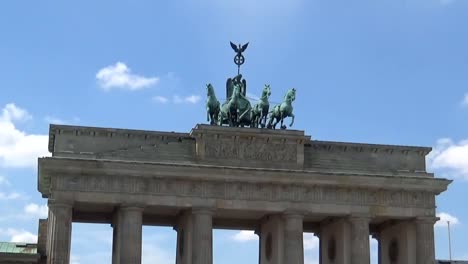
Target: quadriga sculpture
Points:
(259, 112)
(212, 105)
(285, 109)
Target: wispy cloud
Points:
(10, 196)
(17, 148)
(119, 76)
(193, 99)
(244, 236)
(176, 99)
(450, 155)
(160, 99)
(465, 100)
(35, 210)
(11, 113)
(444, 218)
(4, 181)
(19, 235)
(56, 120)
(310, 241)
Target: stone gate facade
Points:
(279, 183)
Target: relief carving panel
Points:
(244, 191)
(251, 150)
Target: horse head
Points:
(290, 95)
(266, 91)
(209, 89)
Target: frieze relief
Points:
(273, 192)
(251, 150)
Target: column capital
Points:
(131, 207)
(293, 214)
(59, 204)
(203, 210)
(359, 218)
(426, 220)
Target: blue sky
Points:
(388, 71)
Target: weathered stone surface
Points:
(236, 177)
(245, 147)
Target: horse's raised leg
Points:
(292, 121)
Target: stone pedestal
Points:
(127, 235)
(425, 240)
(293, 239)
(202, 236)
(59, 233)
(397, 243)
(360, 251)
(253, 147)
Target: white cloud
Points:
(192, 99)
(310, 241)
(444, 218)
(160, 99)
(154, 254)
(465, 100)
(40, 211)
(450, 155)
(9, 196)
(245, 235)
(74, 259)
(12, 113)
(120, 76)
(19, 235)
(311, 261)
(55, 120)
(17, 148)
(4, 181)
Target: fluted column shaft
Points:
(293, 239)
(425, 241)
(129, 234)
(59, 233)
(202, 241)
(360, 252)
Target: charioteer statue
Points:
(237, 111)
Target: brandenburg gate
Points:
(279, 183)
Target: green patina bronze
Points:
(237, 111)
(212, 105)
(285, 109)
(259, 112)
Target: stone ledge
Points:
(82, 167)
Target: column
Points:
(425, 240)
(397, 242)
(293, 239)
(272, 240)
(360, 252)
(335, 241)
(128, 235)
(59, 233)
(184, 238)
(115, 237)
(202, 240)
